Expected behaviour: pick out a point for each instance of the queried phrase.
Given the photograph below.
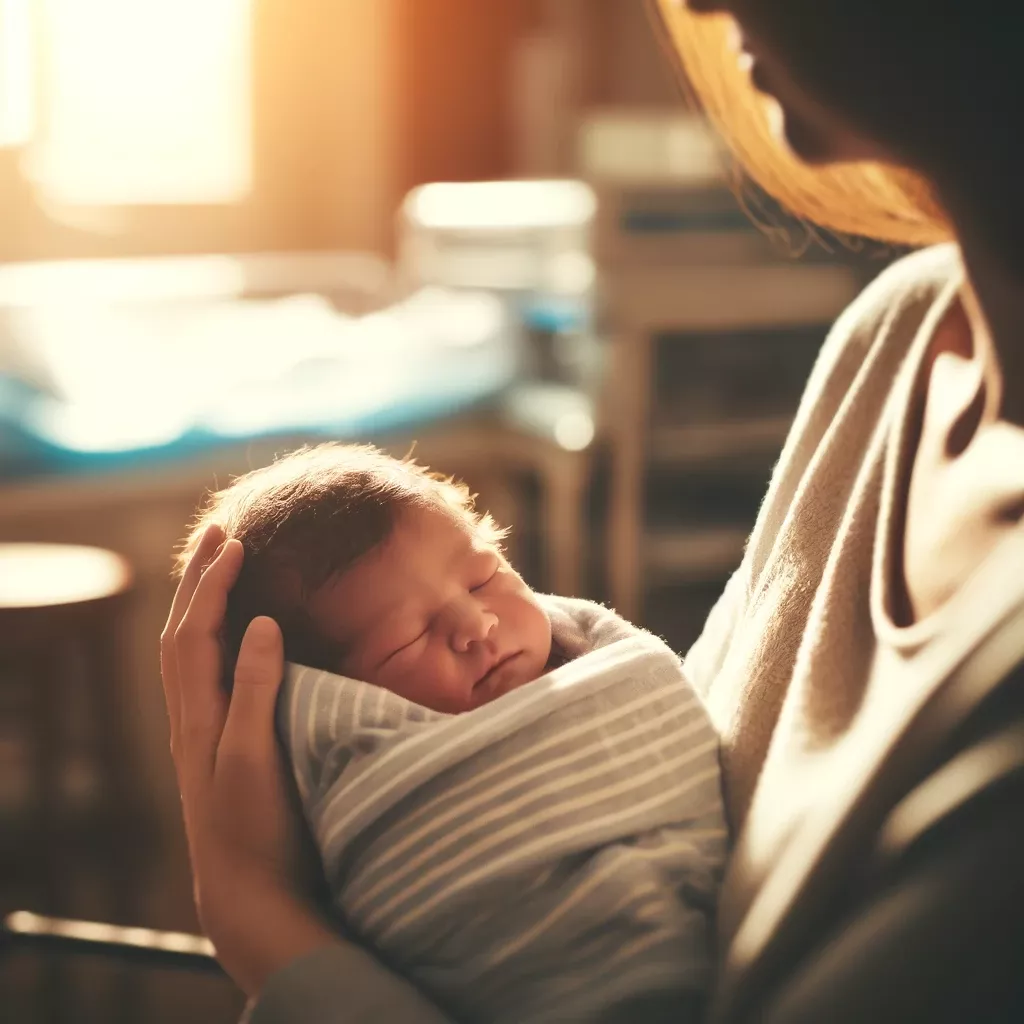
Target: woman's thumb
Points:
(258, 672)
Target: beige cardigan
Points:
(807, 677)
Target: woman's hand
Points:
(254, 871)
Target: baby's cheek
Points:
(538, 629)
(400, 675)
(439, 670)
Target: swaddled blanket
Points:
(544, 857)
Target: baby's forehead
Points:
(426, 547)
(442, 529)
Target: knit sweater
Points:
(808, 676)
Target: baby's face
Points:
(437, 616)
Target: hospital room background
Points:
(492, 233)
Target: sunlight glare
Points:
(15, 73)
(144, 102)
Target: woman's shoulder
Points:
(880, 325)
(901, 295)
(844, 400)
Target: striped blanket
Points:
(551, 856)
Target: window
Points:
(15, 72)
(131, 128)
(138, 102)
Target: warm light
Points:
(44, 575)
(575, 431)
(95, 283)
(24, 923)
(15, 73)
(144, 102)
(503, 205)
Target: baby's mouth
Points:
(495, 668)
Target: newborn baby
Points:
(515, 796)
(381, 571)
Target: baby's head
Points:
(379, 570)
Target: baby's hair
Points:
(308, 518)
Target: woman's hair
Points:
(308, 518)
(864, 199)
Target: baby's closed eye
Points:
(401, 648)
(483, 583)
(411, 643)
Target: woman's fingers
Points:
(203, 704)
(211, 540)
(204, 553)
(249, 730)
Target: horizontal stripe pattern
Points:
(548, 854)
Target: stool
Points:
(60, 612)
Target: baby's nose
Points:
(473, 625)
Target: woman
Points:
(889, 542)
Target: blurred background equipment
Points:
(489, 230)
(713, 333)
(529, 243)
